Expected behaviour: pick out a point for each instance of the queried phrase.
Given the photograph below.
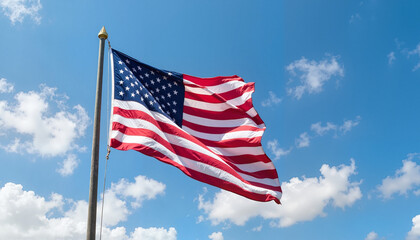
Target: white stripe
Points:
(219, 123)
(221, 88)
(256, 167)
(223, 136)
(234, 101)
(194, 165)
(236, 151)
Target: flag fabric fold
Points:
(206, 127)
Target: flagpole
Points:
(93, 190)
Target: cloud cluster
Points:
(406, 178)
(414, 233)
(372, 236)
(47, 133)
(313, 75)
(26, 215)
(303, 199)
(17, 10)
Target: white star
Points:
(126, 69)
(133, 94)
(134, 70)
(121, 71)
(136, 83)
(132, 84)
(169, 73)
(141, 88)
(163, 87)
(167, 112)
(153, 73)
(163, 97)
(169, 95)
(146, 95)
(176, 84)
(137, 91)
(160, 108)
(151, 102)
(173, 110)
(139, 68)
(157, 90)
(164, 77)
(158, 80)
(127, 61)
(175, 92)
(174, 103)
(147, 75)
(121, 93)
(169, 85)
(127, 88)
(126, 77)
(147, 85)
(121, 82)
(152, 82)
(131, 76)
(152, 92)
(168, 104)
(119, 62)
(141, 76)
(142, 99)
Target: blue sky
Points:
(336, 84)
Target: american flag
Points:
(206, 127)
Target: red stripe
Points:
(232, 143)
(218, 130)
(217, 182)
(211, 81)
(228, 114)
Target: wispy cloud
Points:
(415, 52)
(305, 198)
(17, 10)
(391, 58)
(271, 100)
(347, 125)
(303, 140)
(313, 75)
(216, 236)
(405, 179)
(68, 166)
(355, 17)
(5, 87)
(276, 150)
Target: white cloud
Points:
(415, 51)
(5, 87)
(303, 140)
(320, 130)
(68, 165)
(278, 152)
(391, 57)
(414, 233)
(17, 10)
(313, 74)
(25, 215)
(216, 236)
(303, 199)
(347, 125)
(271, 100)
(153, 234)
(372, 236)
(143, 188)
(46, 133)
(405, 179)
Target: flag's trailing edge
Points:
(206, 127)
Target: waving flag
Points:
(206, 127)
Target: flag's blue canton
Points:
(159, 90)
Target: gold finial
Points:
(103, 34)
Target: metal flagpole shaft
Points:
(93, 190)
